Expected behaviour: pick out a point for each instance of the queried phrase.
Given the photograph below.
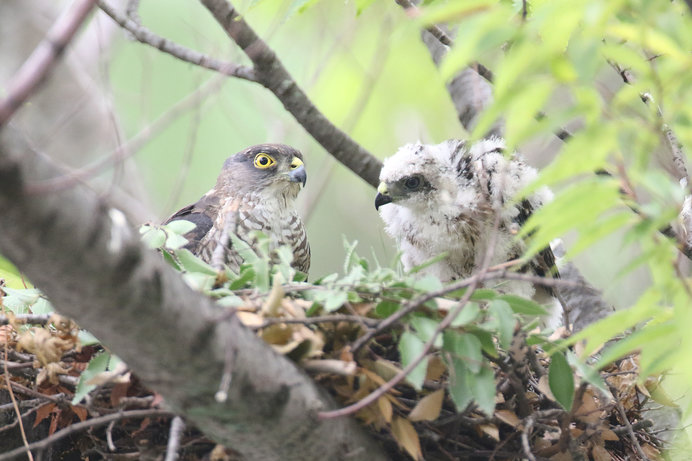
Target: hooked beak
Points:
(382, 197)
(298, 173)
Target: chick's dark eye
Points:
(412, 183)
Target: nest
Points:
(525, 421)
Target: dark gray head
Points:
(275, 168)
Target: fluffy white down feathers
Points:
(443, 198)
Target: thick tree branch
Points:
(144, 35)
(89, 261)
(44, 57)
(273, 75)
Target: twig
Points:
(525, 438)
(33, 319)
(109, 436)
(627, 425)
(229, 359)
(8, 384)
(176, 431)
(273, 75)
(147, 37)
(77, 427)
(43, 59)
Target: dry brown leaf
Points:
(46, 347)
(429, 407)
(385, 407)
(277, 334)
(508, 417)
(607, 434)
(590, 410)
(50, 373)
(375, 376)
(599, 453)
(249, 319)
(406, 436)
(42, 412)
(491, 431)
(81, 412)
(561, 457)
(6, 334)
(436, 368)
(544, 387)
(270, 307)
(651, 452)
(386, 369)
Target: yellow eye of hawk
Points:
(263, 161)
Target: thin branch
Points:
(43, 59)
(77, 427)
(33, 319)
(176, 431)
(273, 75)
(8, 385)
(147, 37)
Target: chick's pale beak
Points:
(382, 197)
(298, 173)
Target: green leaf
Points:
(504, 321)
(335, 300)
(482, 385)
(13, 278)
(192, 263)
(523, 306)
(468, 314)
(97, 364)
(180, 226)
(425, 329)
(465, 346)
(386, 308)
(410, 347)
(153, 237)
(486, 339)
(459, 389)
(428, 284)
(561, 380)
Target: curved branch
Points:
(39, 64)
(144, 35)
(273, 75)
(89, 261)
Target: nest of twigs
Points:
(121, 419)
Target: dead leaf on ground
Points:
(429, 407)
(407, 437)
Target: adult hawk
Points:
(444, 198)
(255, 191)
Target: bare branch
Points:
(273, 75)
(144, 35)
(44, 57)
